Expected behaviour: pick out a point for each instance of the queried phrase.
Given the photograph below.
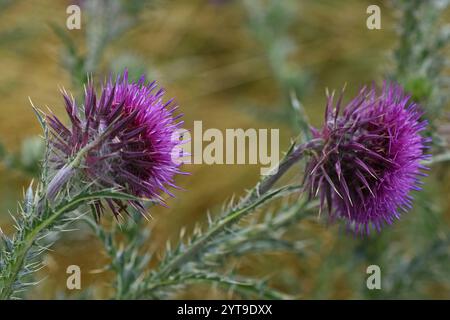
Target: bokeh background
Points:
(230, 64)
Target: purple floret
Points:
(134, 129)
(371, 159)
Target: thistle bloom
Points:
(371, 158)
(125, 139)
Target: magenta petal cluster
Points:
(371, 159)
(130, 129)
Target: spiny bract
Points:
(133, 129)
(371, 158)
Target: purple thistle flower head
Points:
(371, 158)
(128, 132)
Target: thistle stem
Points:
(22, 244)
(254, 199)
(21, 252)
(287, 162)
(67, 172)
(10, 273)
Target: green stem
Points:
(10, 273)
(68, 171)
(22, 251)
(259, 195)
(241, 287)
(196, 247)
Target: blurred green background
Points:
(228, 71)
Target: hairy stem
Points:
(21, 252)
(292, 158)
(259, 195)
(68, 171)
(241, 287)
(23, 243)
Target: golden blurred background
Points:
(207, 56)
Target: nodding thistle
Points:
(371, 159)
(121, 140)
(362, 164)
(117, 151)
